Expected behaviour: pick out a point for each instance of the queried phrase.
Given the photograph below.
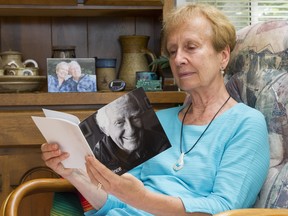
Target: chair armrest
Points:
(32, 187)
(255, 212)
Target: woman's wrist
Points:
(96, 197)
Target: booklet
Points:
(122, 134)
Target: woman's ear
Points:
(225, 57)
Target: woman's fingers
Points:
(99, 173)
(50, 151)
(126, 187)
(53, 157)
(49, 147)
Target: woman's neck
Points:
(202, 111)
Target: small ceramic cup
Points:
(105, 72)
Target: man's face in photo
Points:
(125, 125)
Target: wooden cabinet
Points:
(33, 27)
(20, 140)
(93, 26)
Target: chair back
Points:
(11, 204)
(258, 76)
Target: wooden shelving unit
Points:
(32, 27)
(79, 10)
(87, 8)
(41, 99)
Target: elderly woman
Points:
(57, 82)
(220, 154)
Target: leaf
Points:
(162, 62)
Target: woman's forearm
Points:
(159, 204)
(96, 197)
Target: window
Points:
(247, 12)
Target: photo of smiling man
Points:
(129, 135)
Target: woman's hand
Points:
(53, 156)
(126, 187)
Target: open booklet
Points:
(122, 134)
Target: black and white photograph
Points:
(127, 132)
(71, 75)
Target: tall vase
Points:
(134, 58)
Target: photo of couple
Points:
(71, 75)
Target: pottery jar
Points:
(11, 63)
(12, 59)
(135, 55)
(105, 72)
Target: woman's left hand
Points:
(125, 187)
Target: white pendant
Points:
(180, 163)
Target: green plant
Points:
(162, 62)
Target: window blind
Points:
(247, 12)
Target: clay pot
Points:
(134, 58)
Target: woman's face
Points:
(62, 72)
(194, 62)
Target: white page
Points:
(61, 115)
(70, 138)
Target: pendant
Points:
(180, 163)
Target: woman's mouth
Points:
(183, 75)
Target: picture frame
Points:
(71, 75)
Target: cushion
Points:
(66, 204)
(257, 75)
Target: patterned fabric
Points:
(53, 85)
(84, 203)
(87, 83)
(257, 76)
(66, 204)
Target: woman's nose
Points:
(180, 58)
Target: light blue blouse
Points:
(225, 170)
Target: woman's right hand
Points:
(53, 156)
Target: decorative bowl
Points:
(18, 84)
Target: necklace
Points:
(180, 162)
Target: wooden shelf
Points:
(116, 9)
(86, 2)
(34, 100)
(17, 128)
(38, 2)
(125, 2)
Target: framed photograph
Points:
(71, 75)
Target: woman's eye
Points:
(172, 52)
(191, 47)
